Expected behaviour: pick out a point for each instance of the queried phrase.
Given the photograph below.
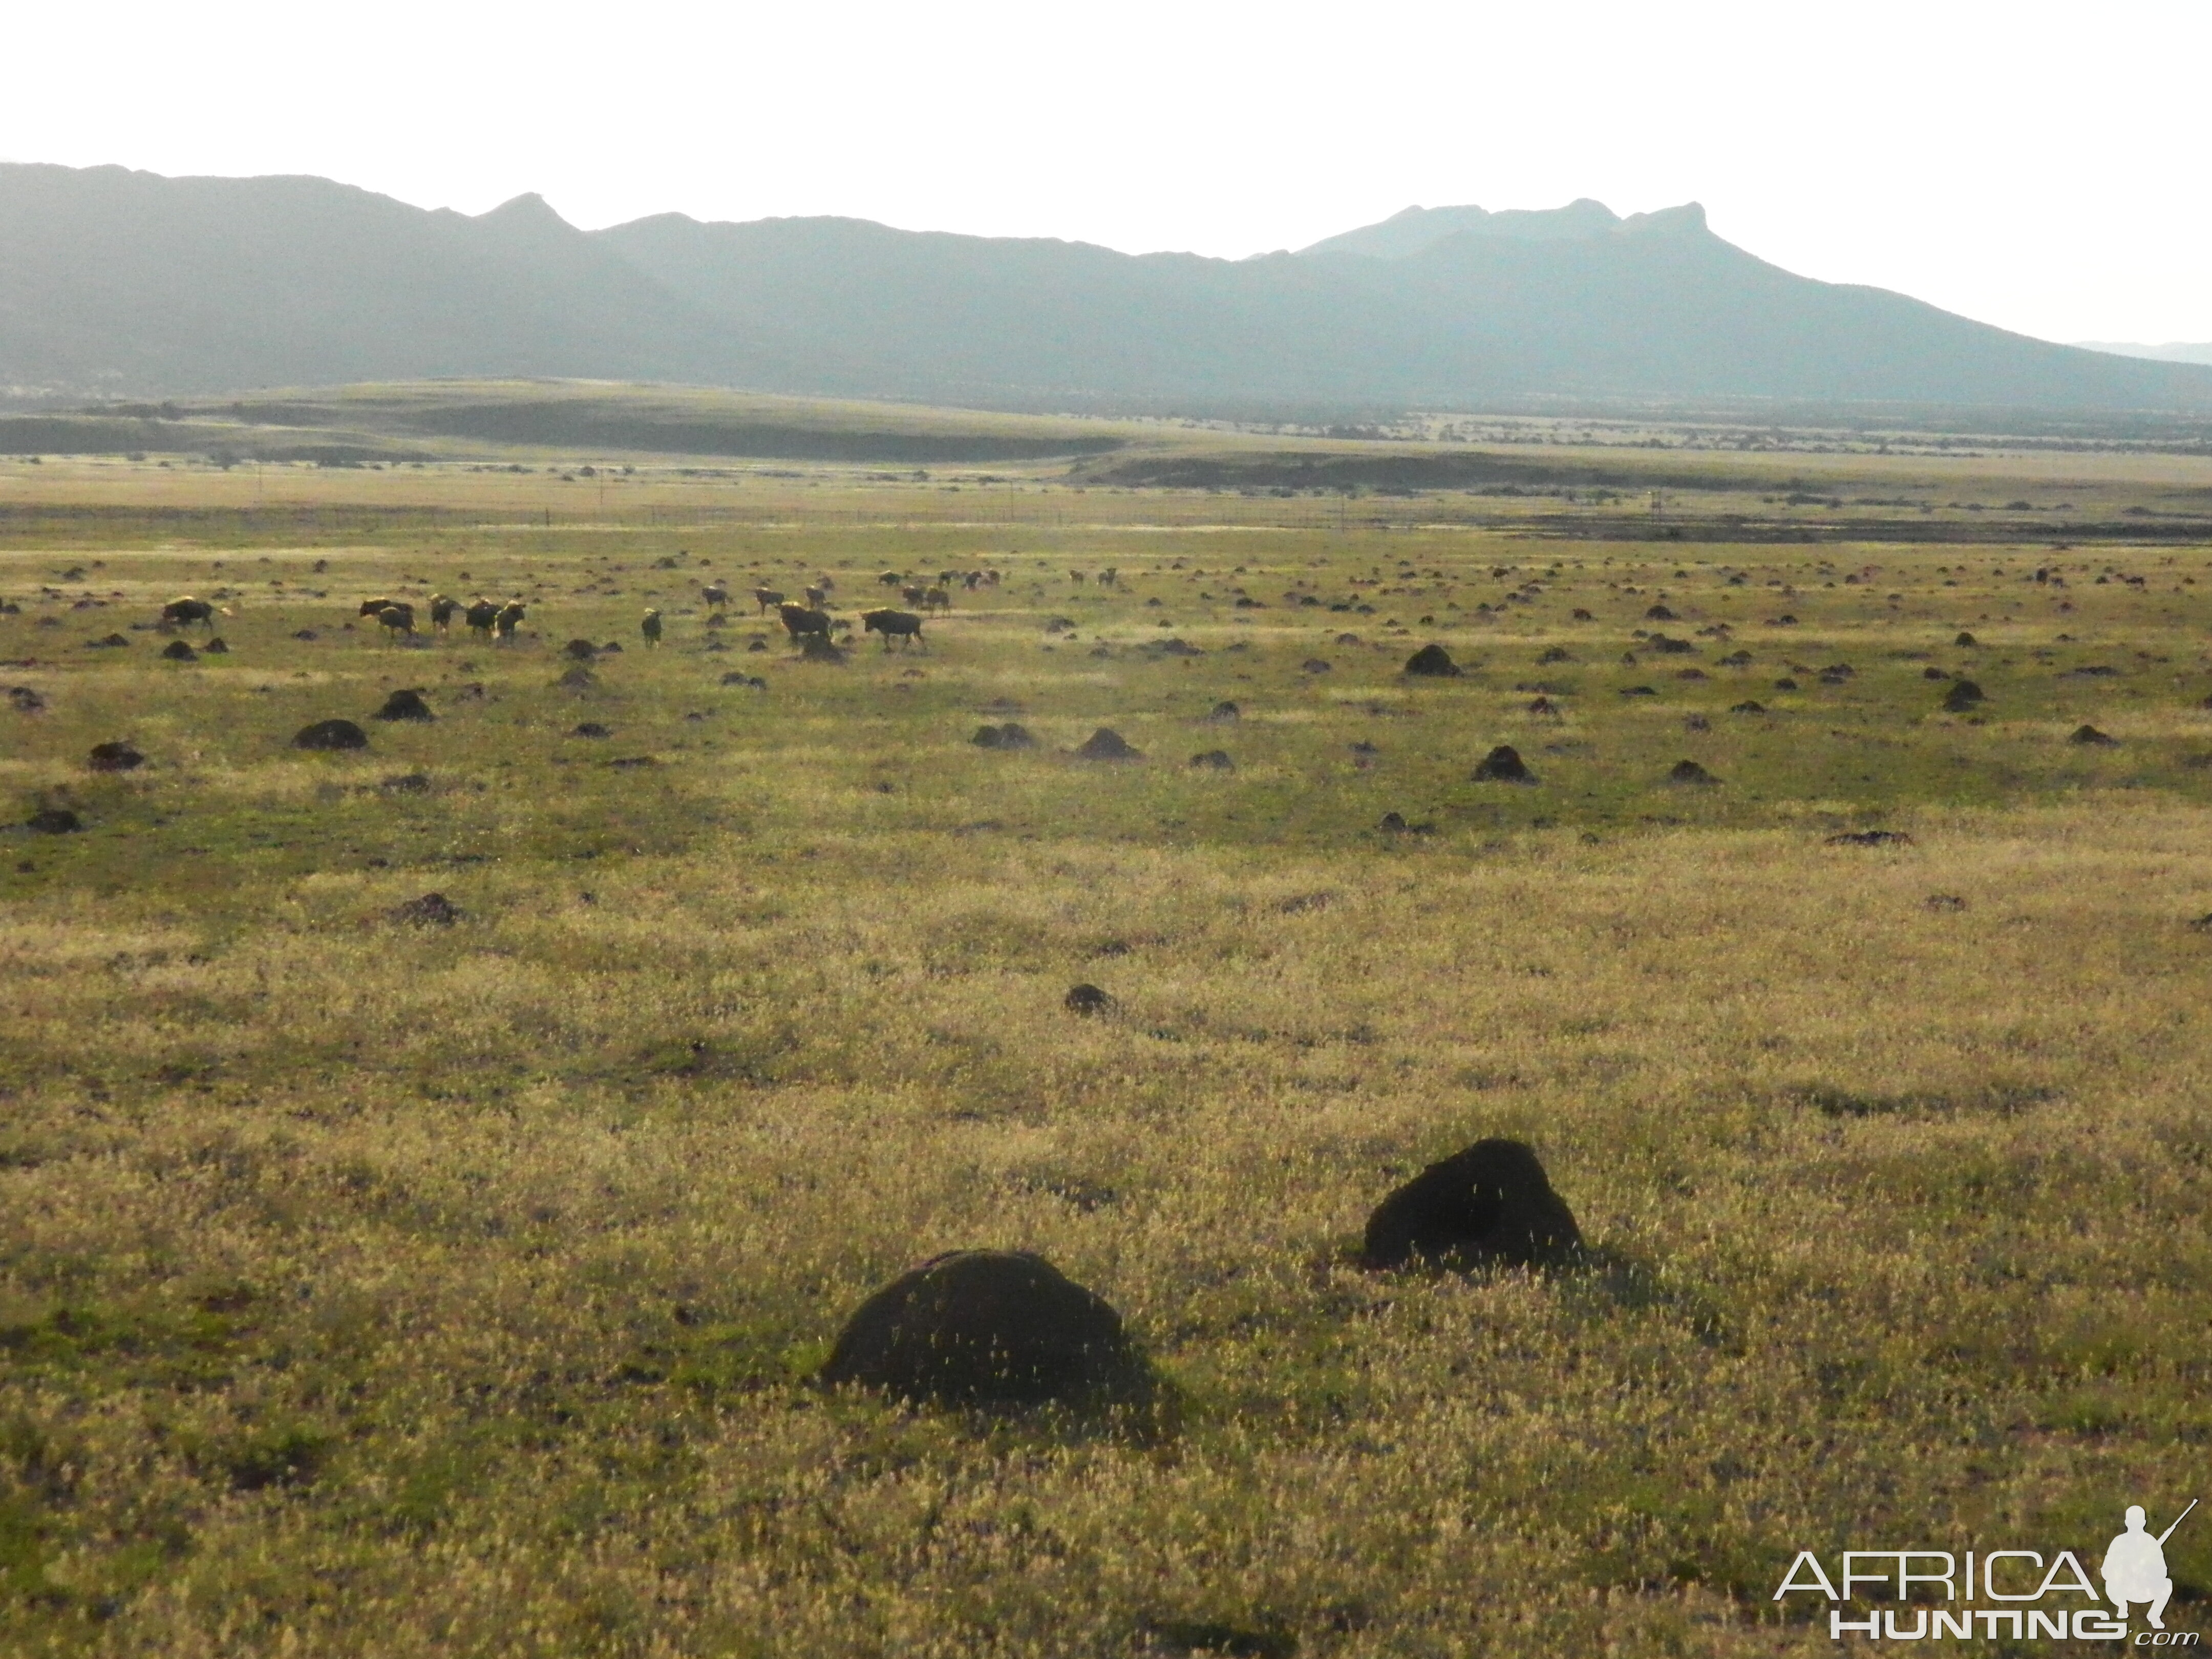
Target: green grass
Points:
(372, 1288)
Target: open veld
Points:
(379, 1284)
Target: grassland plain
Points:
(367, 1288)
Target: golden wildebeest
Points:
(799, 620)
(509, 618)
(442, 611)
(375, 607)
(1076, 576)
(937, 600)
(972, 580)
(481, 615)
(651, 627)
(396, 619)
(890, 578)
(817, 598)
(766, 597)
(886, 621)
(913, 592)
(716, 594)
(189, 609)
(1108, 577)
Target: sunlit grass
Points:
(374, 1289)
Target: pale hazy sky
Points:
(2038, 165)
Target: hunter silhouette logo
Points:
(2135, 1566)
(2015, 1593)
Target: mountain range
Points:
(115, 282)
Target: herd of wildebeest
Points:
(808, 620)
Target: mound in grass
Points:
(431, 910)
(1012, 735)
(1962, 696)
(817, 648)
(1488, 1204)
(1689, 771)
(1503, 764)
(53, 821)
(178, 651)
(1223, 712)
(1107, 745)
(1216, 759)
(1433, 660)
(330, 735)
(986, 1327)
(1086, 1000)
(405, 705)
(114, 757)
(2090, 737)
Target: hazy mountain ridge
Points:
(2173, 352)
(128, 284)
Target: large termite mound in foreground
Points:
(1489, 1205)
(987, 1327)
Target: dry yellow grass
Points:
(370, 1290)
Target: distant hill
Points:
(121, 284)
(2176, 351)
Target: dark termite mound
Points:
(1503, 764)
(331, 734)
(986, 1326)
(114, 757)
(1489, 1205)
(1106, 743)
(431, 910)
(1962, 696)
(405, 706)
